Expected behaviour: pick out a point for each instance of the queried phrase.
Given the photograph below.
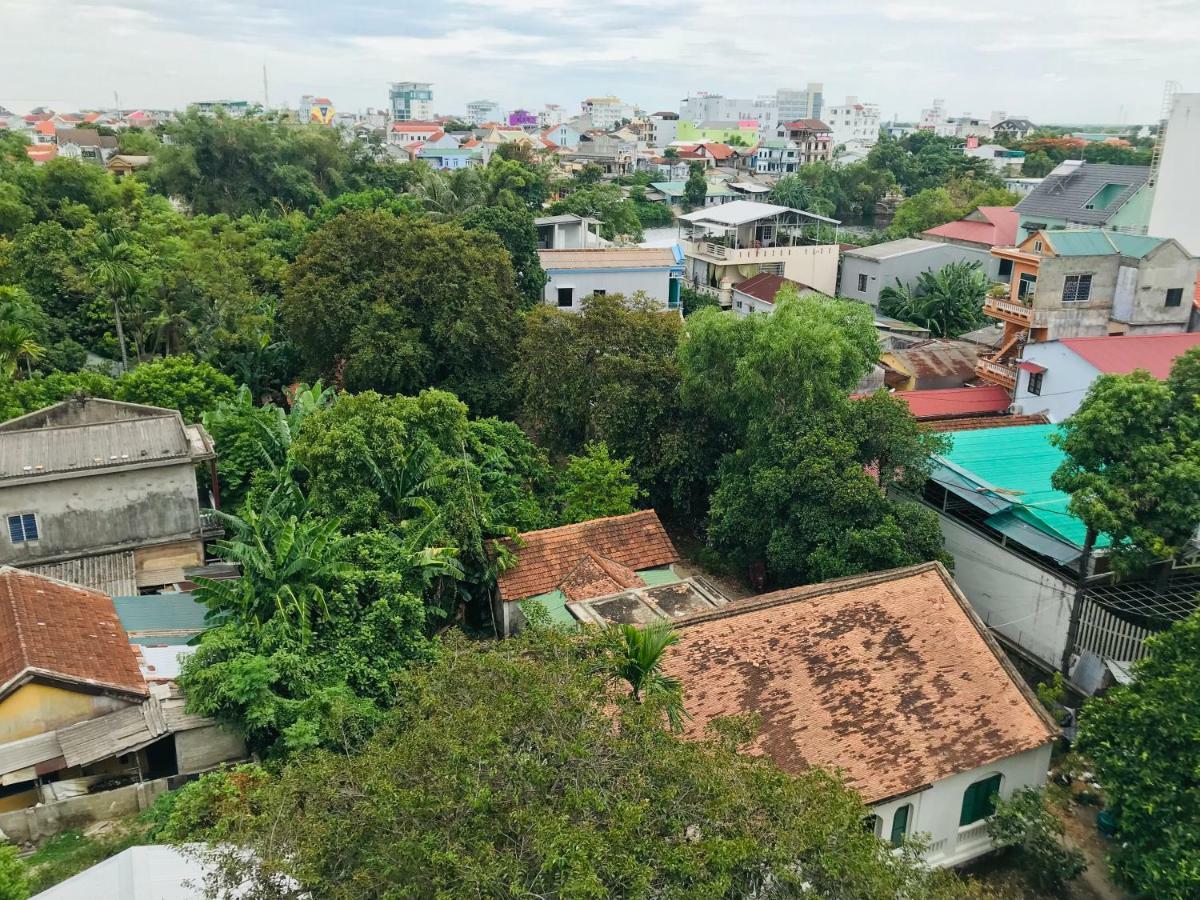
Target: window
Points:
(871, 824)
(599, 293)
(979, 800)
(1174, 296)
(1037, 246)
(1026, 285)
(23, 528)
(566, 296)
(900, 824)
(862, 283)
(1004, 273)
(1077, 289)
(1035, 383)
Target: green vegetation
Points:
(948, 302)
(14, 876)
(1026, 824)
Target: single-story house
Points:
(889, 678)
(568, 231)
(757, 293)
(572, 275)
(868, 270)
(1054, 376)
(122, 164)
(718, 192)
(619, 568)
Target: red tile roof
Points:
(45, 127)
(548, 557)
(62, 632)
(806, 125)
(995, 227)
(417, 127)
(949, 403)
(717, 151)
(765, 285)
(1121, 354)
(889, 677)
(41, 153)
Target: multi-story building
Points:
(1175, 176)
(726, 244)
(523, 118)
(853, 122)
(662, 128)
(800, 104)
(706, 107)
(572, 275)
(607, 112)
(774, 156)
(813, 138)
(551, 115)
(1084, 282)
(481, 111)
(411, 101)
(1099, 195)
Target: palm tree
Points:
(18, 343)
(114, 272)
(947, 302)
(635, 656)
(446, 195)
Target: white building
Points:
(481, 111)
(1176, 178)
(795, 104)
(606, 112)
(568, 232)
(551, 115)
(1053, 377)
(853, 123)
(662, 129)
(889, 677)
(572, 275)
(411, 101)
(706, 107)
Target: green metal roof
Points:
(161, 618)
(1094, 242)
(1012, 468)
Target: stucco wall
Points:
(1168, 267)
(199, 749)
(37, 708)
(936, 810)
(654, 282)
(104, 510)
(36, 822)
(1064, 383)
(883, 273)
(1016, 598)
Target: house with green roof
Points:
(1017, 552)
(1088, 282)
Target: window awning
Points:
(1031, 367)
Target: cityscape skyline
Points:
(1077, 62)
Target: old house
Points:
(572, 275)
(930, 365)
(616, 569)
(757, 294)
(104, 494)
(890, 678)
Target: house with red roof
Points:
(956, 403)
(1054, 376)
(757, 293)
(982, 228)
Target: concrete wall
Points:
(1177, 194)
(37, 822)
(1076, 319)
(37, 708)
(103, 511)
(1026, 603)
(199, 749)
(936, 810)
(1167, 267)
(655, 283)
(1064, 383)
(906, 267)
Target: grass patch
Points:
(72, 851)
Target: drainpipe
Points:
(1077, 604)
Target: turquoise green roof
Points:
(555, 602)
(1094, 242)
(161, 618)
(1016, 465)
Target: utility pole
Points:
(266, 93)
(116, 102)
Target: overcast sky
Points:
(1056, 61)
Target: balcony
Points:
(210, 525)
(740, 256)
(997, 373)
(1007, 311)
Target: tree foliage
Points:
(501, 774)
(1026, 823)
(948, 302)
(594, 485)
(1141, 738)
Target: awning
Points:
(1033, 538)
(1031, 367)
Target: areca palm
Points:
(445, 195)
(635, 656)
(947, 302)
(113, 272)
(17, 343)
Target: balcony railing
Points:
(210, 525)
(997, 373)
(1008, 311)
(755, 254)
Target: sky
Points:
(1067, 61)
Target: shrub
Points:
(1027, 824)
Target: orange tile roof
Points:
(62, 632)
(548, 557)
(971, 423)
(889, 677)
(595, 576)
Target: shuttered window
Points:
(900, 824)
(22, 528)
(979, 800)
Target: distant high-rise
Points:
(412, 101)
(480, 111)
(801, 104)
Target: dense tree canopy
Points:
(948, 302)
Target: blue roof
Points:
(161, 618)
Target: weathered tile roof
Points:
(594, 576)
(64, 633)
(889, 677)
(545, 558)
(975, 423)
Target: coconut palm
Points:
(635, 655)
(114, 273)
(448, 194)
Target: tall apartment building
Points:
(480, 111)
(1174, 175)
(853, 122)
(606, 112)
(552, 115)
(706, 107)
(795, 104)
(411, 101)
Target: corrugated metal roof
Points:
(889, 249)
(1121, 354)
(1065, 195)
(46, 451)
(111, 573)
(1094, 242)
(154, 618)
